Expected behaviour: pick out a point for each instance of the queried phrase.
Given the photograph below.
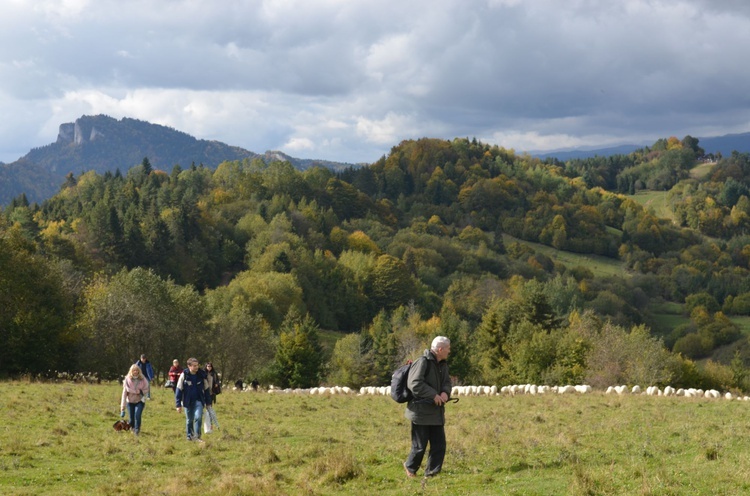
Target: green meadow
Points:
(600, 266)
(58, 439)
(656, 201)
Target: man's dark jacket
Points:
(427, 378)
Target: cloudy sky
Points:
(347, 80)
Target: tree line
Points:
(254, 264)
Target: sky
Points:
(347, 80)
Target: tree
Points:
(146, 164)
(348, 365)
(242, 344)
(35, 309)
(298, 356)
(137, 312)
(630, 357)
(692, 144)
(391, 283)
(492, 345)
(459, 332)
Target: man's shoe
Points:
(409, 473)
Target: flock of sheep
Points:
(516, 389)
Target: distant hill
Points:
(726, 144)
(564, 155)
(102, 144)
(723, 144)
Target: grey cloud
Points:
(578, 69)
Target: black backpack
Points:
(399, 390)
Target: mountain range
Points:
(102, 143)
(717, 144)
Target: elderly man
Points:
(430, 384)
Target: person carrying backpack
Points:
(430, 385)
(192, 394)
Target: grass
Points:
(656, 201)
(58, 439)
(599, 265)
(743, 321)
(700, 171)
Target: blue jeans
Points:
(135, 411)
(193, 420)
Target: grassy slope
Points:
(57, 439)
(700, 171)
(656, 201)
(600, 266)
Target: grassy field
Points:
(58, 439)
(600, 266)
(700, 171)
(656, 201)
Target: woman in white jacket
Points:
(135, 387)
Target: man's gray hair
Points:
(440, 342)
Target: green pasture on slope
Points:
(656, 201)
(700, 171)
(57, 439)
(600, 266)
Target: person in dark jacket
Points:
(192, 394)
(147, 371)
(214, 385)
(430, 384)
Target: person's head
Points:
(441, 347)
(209, 367)
(135, 372)
(176, 362)
(193, 365)
(143, 358)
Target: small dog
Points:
(121, 425)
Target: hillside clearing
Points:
(599, 265)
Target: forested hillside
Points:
(251, 265)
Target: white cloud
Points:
(388, 130)
(299, 144)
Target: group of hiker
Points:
(194, 388)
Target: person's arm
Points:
(207, 391)
(446, 387)
(124, 399)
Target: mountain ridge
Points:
(102, 143)
(724, 144)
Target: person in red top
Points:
(174, 374)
